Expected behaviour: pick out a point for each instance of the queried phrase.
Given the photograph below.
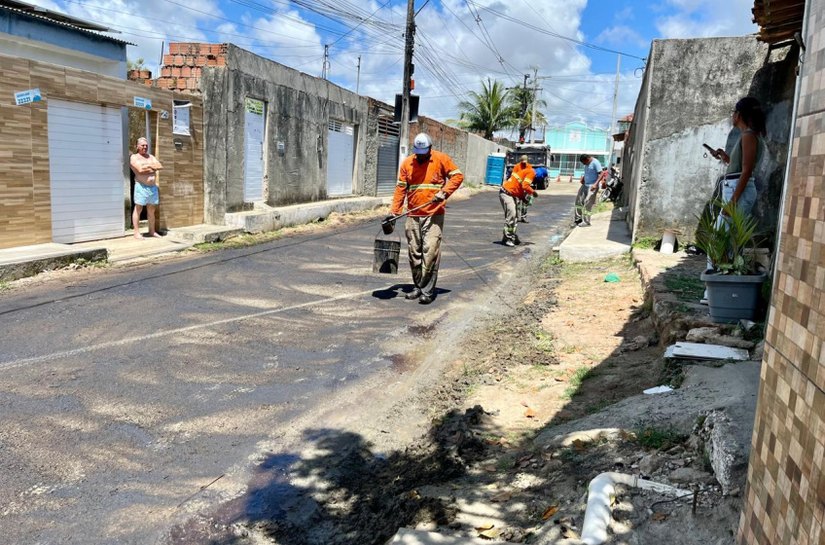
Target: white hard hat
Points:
(422, 143)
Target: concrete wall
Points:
(689, 89)
(299, 109)
(25, 191)
(475, 167)
(785, 496)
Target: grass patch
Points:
(240, 241)
(646, 243)
(659, 438)
(604, 206)
(544, 342)
(4, 286)
(576, 379)
(686, 288)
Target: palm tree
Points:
(488, 111)
(521, 110)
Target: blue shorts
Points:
(146, 194)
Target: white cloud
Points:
(706, 18)
(621, 35)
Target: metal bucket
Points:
(386, 254)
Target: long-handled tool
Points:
(388, 225)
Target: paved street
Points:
(129, 396)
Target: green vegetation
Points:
(659, 438)
(686, 288)
(544, 342)
(599, 207)
(488, 111)
(646, 243)
(576, 379)
(240, 241)
(4, 286)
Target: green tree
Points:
(520, 104)
(487, 111)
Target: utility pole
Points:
(405, 93)
(615, 104)
(535, 99)
(524, 98)
(358, 79)
(325, 69)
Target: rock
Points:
(636, 344)
(759, 351)
(727, 456)
(689, 475)
(649, 464)
(712, 335)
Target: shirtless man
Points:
(144, 165)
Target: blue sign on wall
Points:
(143, 103)
(28, 96)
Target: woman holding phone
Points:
(739, 185)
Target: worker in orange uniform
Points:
(515, 190)
(526, 172)
(428, 178)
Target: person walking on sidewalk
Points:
(514, 191)
(524, 170)
(586, 197)
(145, 166)
(427, 177)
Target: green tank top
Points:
(735, 164)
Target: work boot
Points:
(510, 244)
(524, 220)
(425, 299)
(517, 241)
(414, 294)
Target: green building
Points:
(570, 141)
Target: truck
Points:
(538, 156)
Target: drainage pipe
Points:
(602, 492)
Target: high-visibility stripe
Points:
(425, 186)
(453, 172)
(401, 184)
(517, 177)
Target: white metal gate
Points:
(254, 129)
(388, 141)
(340, 158)
(86, 171)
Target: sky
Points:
(571, 45)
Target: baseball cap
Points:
(422, 143)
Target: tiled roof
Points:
(59, 18)
(778, 20)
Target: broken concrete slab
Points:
(406, 536)
(701, 351)
(727, 449)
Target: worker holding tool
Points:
(425, 181)
(525, 173)
(515, 190)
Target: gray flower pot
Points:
(732, 297)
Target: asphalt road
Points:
(129, 393)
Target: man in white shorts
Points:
(144, 165)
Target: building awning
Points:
(62, 19)
(778, 20)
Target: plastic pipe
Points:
(602, 492)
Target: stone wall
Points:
(25, 193)
(785, 499)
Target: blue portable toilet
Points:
(495, 169)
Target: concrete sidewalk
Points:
(607, 236)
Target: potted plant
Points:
(733, 284)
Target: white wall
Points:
(16, 46)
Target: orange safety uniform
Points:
(419, 182)
(518, 184)
(526, 172)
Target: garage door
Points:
(86, 170)
(341, 158)
(388, 141)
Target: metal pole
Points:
(358, 79)
(615, 105)
(535, 98)
(405, 93)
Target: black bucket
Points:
(386, 256)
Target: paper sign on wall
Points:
(143, 103)
(28, 96)
(180, 117)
